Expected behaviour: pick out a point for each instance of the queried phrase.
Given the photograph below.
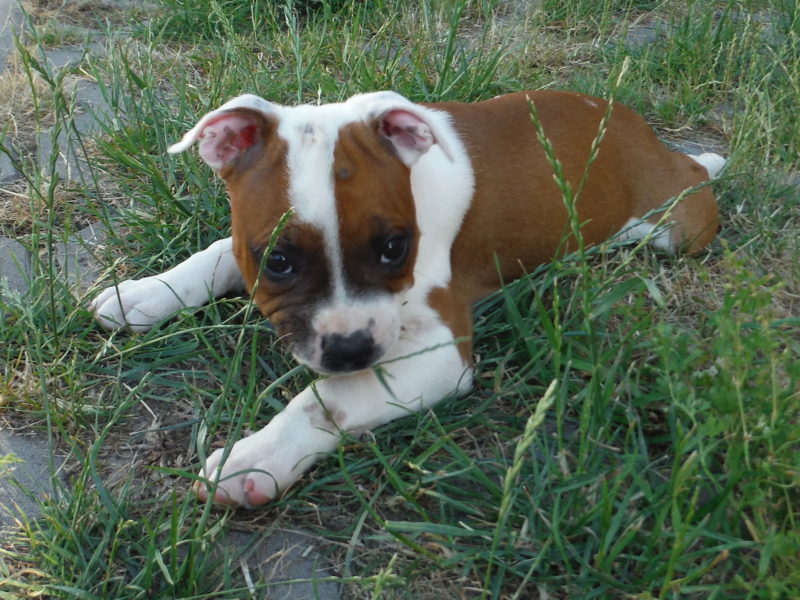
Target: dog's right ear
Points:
(227, 132)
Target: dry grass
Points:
(58, 18)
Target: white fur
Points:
(141, 303)
(442, 191)
(636, 229)
(713, 163)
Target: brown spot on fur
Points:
(374, 204)
(322, 417)
(258, 183)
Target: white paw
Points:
(254, 473)
(137, 304)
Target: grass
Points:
(634, 428)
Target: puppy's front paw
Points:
(254, 473)
(137, 304)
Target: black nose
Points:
(343, 353)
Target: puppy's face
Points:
(323, 218)
(324, 224)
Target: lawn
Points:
(634, 431)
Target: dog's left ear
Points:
(227, 132)
(411, 133)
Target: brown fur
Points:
(374, 201)
(518, 214)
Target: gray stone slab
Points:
(61, 152)
(70, 161)
(89, 96)
(66, 57)
(77, 258)
(70, 56)
(8, 172)
(66, 148)
(32, 472)
(640, 36)
(11, 21)
(280, 557)
(690, 147)
(15, 266)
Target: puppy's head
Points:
(323, 218)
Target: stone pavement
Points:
(74, 257)
(30, 469)
(10, 21)
(278, 557)
(15, 270)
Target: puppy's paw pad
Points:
(245, 479)
(253, 496)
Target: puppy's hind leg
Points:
(692, 222)
(696, 217)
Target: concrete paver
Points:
(32, 473)
(76, 258)
(284, 556)
(10, 22)
(8, 172)
(15, 265)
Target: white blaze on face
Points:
(311, 133)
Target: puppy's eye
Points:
(394, 251)
(278, 265)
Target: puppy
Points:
(395, 219)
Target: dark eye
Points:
(278, 265)
(394, 251)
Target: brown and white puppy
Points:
(400, 216)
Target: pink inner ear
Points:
(227, 136)
(410, 135)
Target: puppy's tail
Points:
(714, 163)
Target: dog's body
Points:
(401, 215)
